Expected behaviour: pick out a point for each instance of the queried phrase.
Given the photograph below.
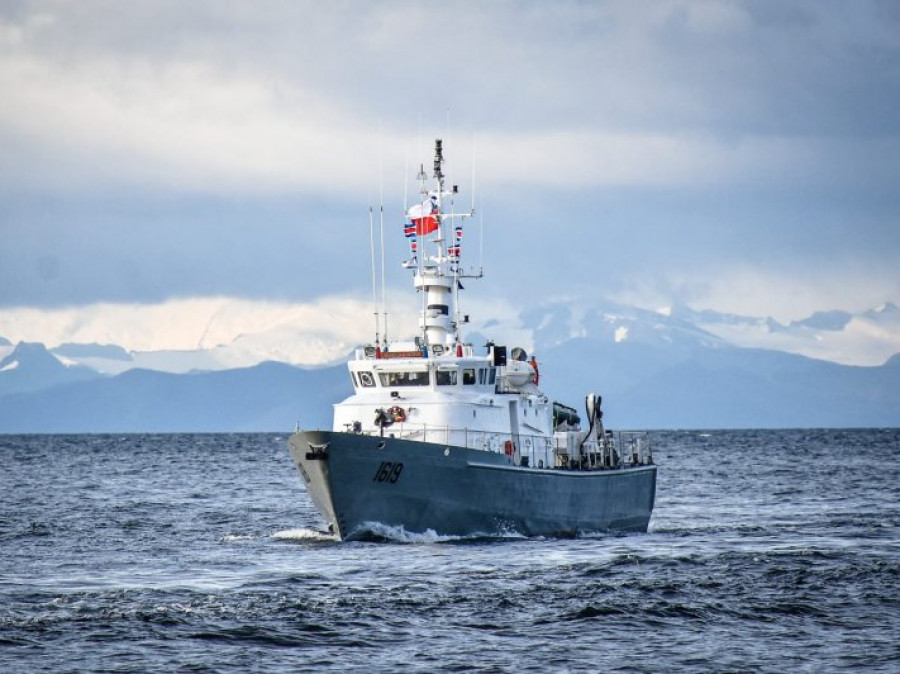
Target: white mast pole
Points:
(381, 219)
(480, 241)
(374, 283)
(383, 296)
(474, 142)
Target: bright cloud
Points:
(667, 152)
(311, 333)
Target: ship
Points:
(448, 438)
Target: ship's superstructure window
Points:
(445, 377)
(408, 378)
(492, 378)
(469, 376)
(366, 379)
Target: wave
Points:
(304, 536)
(381, 533)
(236, 538)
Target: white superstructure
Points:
(439, 388)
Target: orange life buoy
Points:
(398, 414)
(509, 448)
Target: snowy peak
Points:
(868, 338)
(33, 356)
(610, 322)
(824, 320)
(31, 367)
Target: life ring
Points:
(397, 413)
(509, 448)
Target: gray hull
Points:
(358, 482)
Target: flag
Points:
(409, 230)
(424, 217)
(455, 250)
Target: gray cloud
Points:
(159, 149)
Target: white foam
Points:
(235, 538)
(303, 535)
(401, 535)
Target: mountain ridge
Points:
(654, 369)
(266, 397)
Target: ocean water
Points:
(768, 551)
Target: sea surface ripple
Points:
(768, 551)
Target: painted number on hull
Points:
(388, 471)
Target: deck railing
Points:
(616, 449)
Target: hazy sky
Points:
(741, 156)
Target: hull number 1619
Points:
(388, 471)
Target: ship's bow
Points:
(309, 452)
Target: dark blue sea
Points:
(768, 551)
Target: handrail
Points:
(617, 449)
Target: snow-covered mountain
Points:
(667, 368)
(220, 334)
(30, 367)
(866, 338)
(212, 333)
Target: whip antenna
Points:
(374, 284)
(383, 294)
(474, 142)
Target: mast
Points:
(438, 270)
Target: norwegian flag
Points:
(424, 217)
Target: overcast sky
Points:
(739, 156)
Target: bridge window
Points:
(397, 379)
(446, 377)
(469, 376)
